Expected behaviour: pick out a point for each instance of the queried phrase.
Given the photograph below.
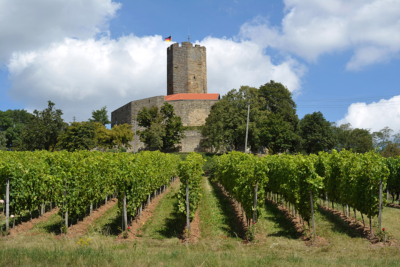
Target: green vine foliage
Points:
(294, 177)
(74, 180)
(239, 172)
(393, 183)
(190, 172)
(353, 179)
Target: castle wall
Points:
(193, 112)
(186, 69)
(125, 113)
(189, 144)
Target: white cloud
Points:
(84, 75)
(374, 116)
(27, 25)
(232, 64)
(310, 28)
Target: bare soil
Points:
(83, 226)
(393, 205)
(194, 230)
(26, 226)
(147, 212)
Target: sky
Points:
(339, 57)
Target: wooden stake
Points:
(312, 213)
(187, 208)
(380, 204)
(66, 204)
(255, 203)
(7, 203)
(125, 214)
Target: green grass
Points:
(217, 219)
(50, 226)
(165, 223)
(109, 223)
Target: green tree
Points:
(278, 100)
(391, 150)
(382, 138)
(119, 136)
(100, 116)
(278, 135)
(316, 133)
(78, 136)
(11, 124)
(359, 140)
(3, 141)
(272, 121)
(225, 127)
(163, 129)
(43, 130)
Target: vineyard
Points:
(320, 201)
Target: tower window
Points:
(194, 77)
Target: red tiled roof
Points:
(176, 97)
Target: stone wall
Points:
(188, 144)
(186, 69)
(125, 113)
(193, 112)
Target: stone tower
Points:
(186, 69)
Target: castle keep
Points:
(186, 92)
(186, 69)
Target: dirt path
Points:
(195, 233)
(83, 226)
(26, 226)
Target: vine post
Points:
(7, 203)
(312, 212)
(380, 204)
(255, 203)
(125, 218)
(66, 204)
(187, 208)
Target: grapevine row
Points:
(74, 181)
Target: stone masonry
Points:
(186, 74)
(186, 69)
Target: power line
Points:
(365, 98)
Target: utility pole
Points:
(247, 126)
(74, 118)
(134, 141)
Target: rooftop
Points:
(177, 97)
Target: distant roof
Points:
(177, 97)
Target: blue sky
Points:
(337, 57)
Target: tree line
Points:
(274, 125)
(46, 130)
